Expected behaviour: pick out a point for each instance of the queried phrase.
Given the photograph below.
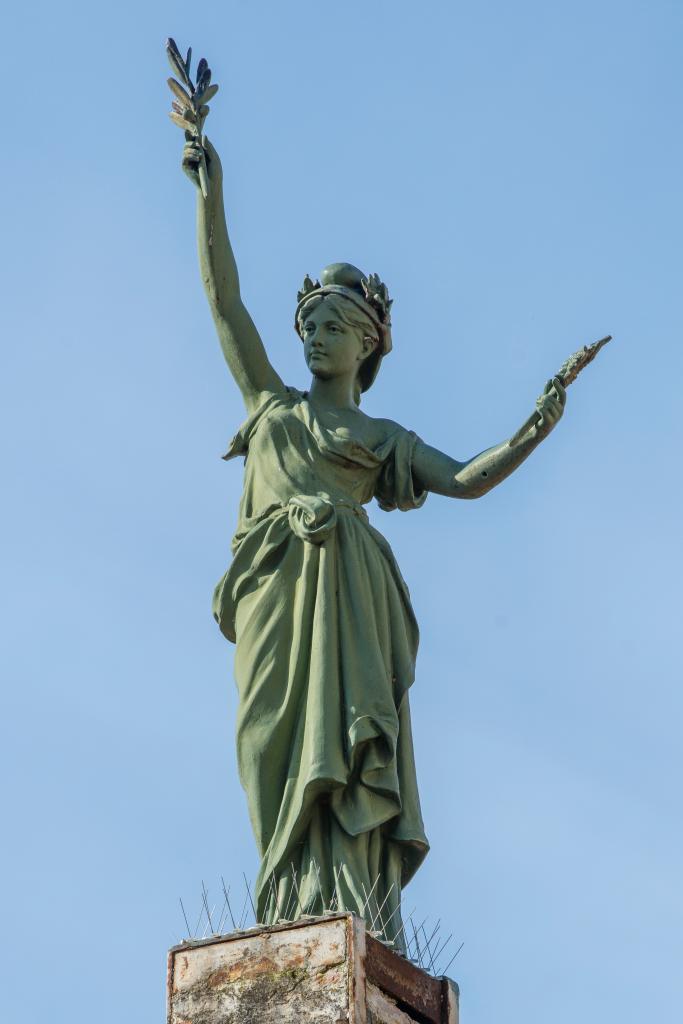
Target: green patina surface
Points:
(325, 633)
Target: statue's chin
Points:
(320, 373)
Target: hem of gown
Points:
(273, 860)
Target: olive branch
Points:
(567, 374)
(191, 99)
(573, 366)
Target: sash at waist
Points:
(311, 517)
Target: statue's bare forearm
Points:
(216, 258)
(437, 472)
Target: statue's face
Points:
(333, 348)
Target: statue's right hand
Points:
(192, 158)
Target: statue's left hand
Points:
(550, 405)
(192, 157)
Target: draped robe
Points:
(326, 641)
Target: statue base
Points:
(323, 970)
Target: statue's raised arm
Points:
(241, 343)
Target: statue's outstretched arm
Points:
(241, 343)
(435, 471)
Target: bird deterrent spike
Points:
(453, 957)
(378, 916)
(249, 895)
(187, 923)
(226, 893)
(205, 898)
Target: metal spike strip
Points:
(253, 908)
(206, 929)
(362, 910)
(440, 950)
(428, 942)
(205, 897)
(386, 924)
(187, 924)
(296, 890)
(422, 948)
(401, 928)
(418, 949)
(243, 915)
(274, 893)
(291, 903)
(221, 919)
(199, 921)
(366, 905)
(320, 888)
(226, 893)
(415, 948)
(378, 916)
(453, 957)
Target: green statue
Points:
(325, 634)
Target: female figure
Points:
(325, 633)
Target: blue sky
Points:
(513, 172)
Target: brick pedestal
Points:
(315, 971)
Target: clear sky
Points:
(513, 172)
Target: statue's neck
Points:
(335, 393)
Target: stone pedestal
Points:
(316, 971)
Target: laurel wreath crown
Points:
(375, 293)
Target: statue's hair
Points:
(349, 314)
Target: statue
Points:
(325, 634)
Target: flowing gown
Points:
(326, 645)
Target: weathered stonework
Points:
(314, 971)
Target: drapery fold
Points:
(326, 645)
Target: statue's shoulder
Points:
(382, 430)
(387, 426)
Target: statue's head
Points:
(359, 302)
